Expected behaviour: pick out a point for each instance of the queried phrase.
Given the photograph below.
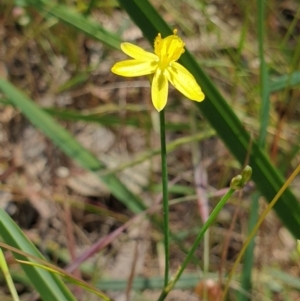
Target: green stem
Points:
(265, 103)
(246, 281)
(189, 256)
(7, 276)
(165, 194)
(246, 277)
(256, 227)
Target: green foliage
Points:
(49, 285)
(222, 118)
(220, 115)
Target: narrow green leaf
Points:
(73, 82)
(75, 19)
(135, 120)
(187, 281)
(69, 145)
(264, 89)
(108, 120)
(8, 278)
(223, 119)
(285, 81)
(49, 286)
(246, 277)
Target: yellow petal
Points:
(159, 90)
(168, 49)
(137, 52)
(132, 68)
(184, 82)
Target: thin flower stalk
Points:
(162, 67)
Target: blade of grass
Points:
(45, 265)
(50, 287)
(264, 91)
(69, 145)
(68, 277)
(74, 150)
(196, 242)
(106, 118)
(285, 81)
(170, 147)
(75, 19)
(143, 117)
(223, 119)
(187, 281)
(8, 278)
(74, 81)
(256, 227)
(246, 277)
(291, 30)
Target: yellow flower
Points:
(162, 64)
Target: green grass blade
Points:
(109, 116)
(8, 278)
(285, 81)
(76, 20)
(137, 118)
(246, 277)
(223, 119)
(50, 287)
(69, 145)
(107, 120)
(187, 281)
(264, 91)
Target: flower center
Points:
(168, 49)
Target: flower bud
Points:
(246, 174)
(237, 183)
